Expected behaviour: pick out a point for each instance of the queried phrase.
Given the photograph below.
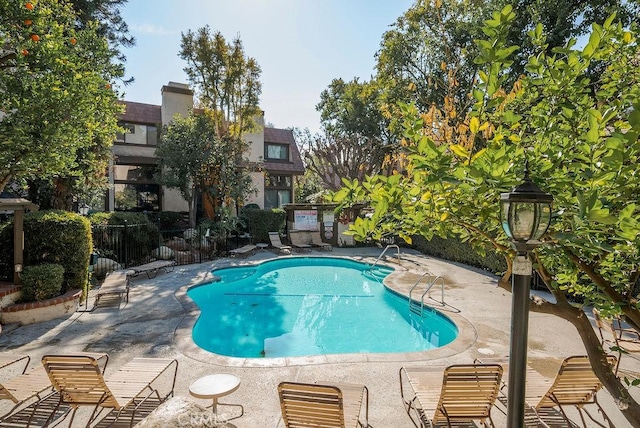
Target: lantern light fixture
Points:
(525, 214)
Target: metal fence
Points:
(128, 245)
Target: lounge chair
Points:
(575, 385)
(80, 382)
(8, 360)
(622, 340)
(115, 283)
(297, 242)
(31, 384)
(151, 269)
(316, 241)
(242, 251)
(468, 393)
(323, 404)
(274, 237)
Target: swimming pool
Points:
(300, 306)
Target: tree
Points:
(355, 139)
(353, 108)
(58, 109)
(427, 57)
(227, 83)
(334, 157)
(582, 136)
(111, 25)
(105, 19)
(190, 153)
(561, 21)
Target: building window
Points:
(276, 198)
(138, 134)
(278, 181)
(135, 189)
(276, 152)
(278, 190)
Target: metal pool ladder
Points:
(417, 307)
(384, 251)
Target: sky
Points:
(300, 45)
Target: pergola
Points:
(18, 206)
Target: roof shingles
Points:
(141, 113)
(283, 136)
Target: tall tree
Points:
(427, 57)
(111, 25)
(58, 110)
(583, 139)
(332, 157)
(355, 139)
(228, 84)
(190, 153)
(353, 108)
(104, 16)
(560, 21)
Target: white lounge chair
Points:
(274, 237)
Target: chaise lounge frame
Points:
(31, 384)
(80, 382)
(274, 237)
(467, 392)
(316, 241)
(323, 404)
(151, 269)
(115, 283)
(243, 251)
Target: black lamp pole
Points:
(525, 215)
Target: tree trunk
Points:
(62, 198)
(627, 303)
(504, 282)
(192, 212)
(597, 356)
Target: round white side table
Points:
(215, 386)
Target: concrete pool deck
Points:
(157, 321)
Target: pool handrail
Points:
(383, 252)
(413, 303)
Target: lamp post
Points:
(525, 214)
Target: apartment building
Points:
(132, 172)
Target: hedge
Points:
(453, 249)
(52, 236)
(260, 222)
(41, 282)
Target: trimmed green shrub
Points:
(261, 222)
(59, 237)
(41, 282)
(169, 220)
(53, 236)
(453, 249)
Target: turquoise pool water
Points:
(302, 306)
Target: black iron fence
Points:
(128, 245)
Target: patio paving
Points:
(157, 320)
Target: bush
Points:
(169, 220)
(41, 282)
(261, 222)
(60, 237)
(453, 249)
(53, 236)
